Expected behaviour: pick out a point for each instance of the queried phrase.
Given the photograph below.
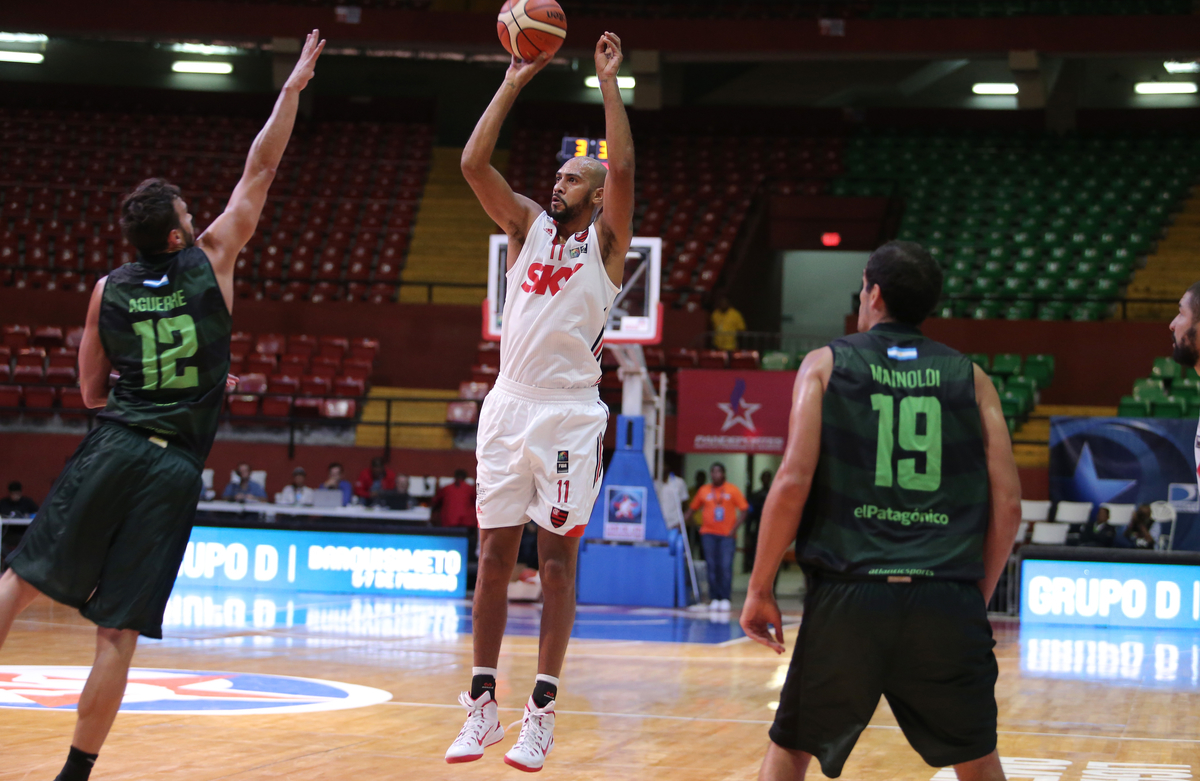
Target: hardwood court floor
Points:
(627, 709)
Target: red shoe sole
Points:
(519, 766)
(460, 760)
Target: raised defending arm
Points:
(94, 365)
(786, 500)
(617, 220)
(511, 211)
(235, 226)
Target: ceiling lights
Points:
(987, 88)
(192, 66)
(1164, 88)
(32, 58)
(623, 82)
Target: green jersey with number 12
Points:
(165, 328)
(901, 488)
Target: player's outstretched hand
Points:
(758, 616)
(608, 56)
(307, 64)
(521, 72)
(230, 383)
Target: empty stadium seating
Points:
(279, 376)
(693, 191)
(336, 226)
(1169, 392)
(1028, 225)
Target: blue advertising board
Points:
(1149, 596)
(330, 562)
(1127, 460)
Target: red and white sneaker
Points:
(482, 729)
(536, 740)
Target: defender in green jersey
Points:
(110, 537)
(900, 491)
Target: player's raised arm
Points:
(511, 211)
(1004, 485)
(235, 226)
(786, 500)
(617, 219)
(94, 364)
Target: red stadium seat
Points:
(364, 349)
(339, 408)
(252, 383)
(261, 364)
(713, 359)
(348, 386)
(313, 385)
(744, 359)
(294, 365)
(270, 344)
(307, 407)
(48, 336)
(31, 356)
(277, 406)
(473, 390)
(357, 369)
(74, 337)
(283, 383)
(335, 347)
(16, 336)
(10, 397)
(462, 413)
(41, 397)
(484, 373)
(61, 375)
(243, 405)
(71, 401)
(682, 358)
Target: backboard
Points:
(636, 314)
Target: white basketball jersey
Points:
(555, 310)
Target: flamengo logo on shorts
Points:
(184, 692)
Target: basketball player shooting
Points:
(110, 537)
(541, 429)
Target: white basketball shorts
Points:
(539, 457)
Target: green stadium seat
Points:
(982, 360)
(1044, 287)
(1025, 385)
(1055, 269)
(1104, 289)
(1052, 310)
(985, 310)
(1006, 364)
(954, 286)
(776, 360)
(1132, 407)
(1014, 287)
(1075, 288)
(1165, 369)
(1187, 393)
(1149, 389)
(1020, 310)
(1040, 368)
(1170, 407)
(1088, 312)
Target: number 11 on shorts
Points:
(564, 491)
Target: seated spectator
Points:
(1099, 533)
(374, 481)
(297, 492)
(726, 323)
(454, 504)
(17, 504)
(1138, 531)
(335, 481)
(244, 489)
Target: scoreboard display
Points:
(574, 146)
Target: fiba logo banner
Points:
(724, 411)
(185, 692)
(625, 513)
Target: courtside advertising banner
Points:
(730, 411)
(330, 562)
(1150, 596)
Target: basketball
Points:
(529, 27)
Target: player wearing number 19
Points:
(900, 490)
(111, 535)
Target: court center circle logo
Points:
(185, 692)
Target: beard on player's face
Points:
(1185, 352)
(562, 210)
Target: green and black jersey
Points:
(165, 327)
(901, 488)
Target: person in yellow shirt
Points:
(726, 322)
(723, 507)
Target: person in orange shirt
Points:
(723, 508)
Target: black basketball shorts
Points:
(110, 537)
(925, 646)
